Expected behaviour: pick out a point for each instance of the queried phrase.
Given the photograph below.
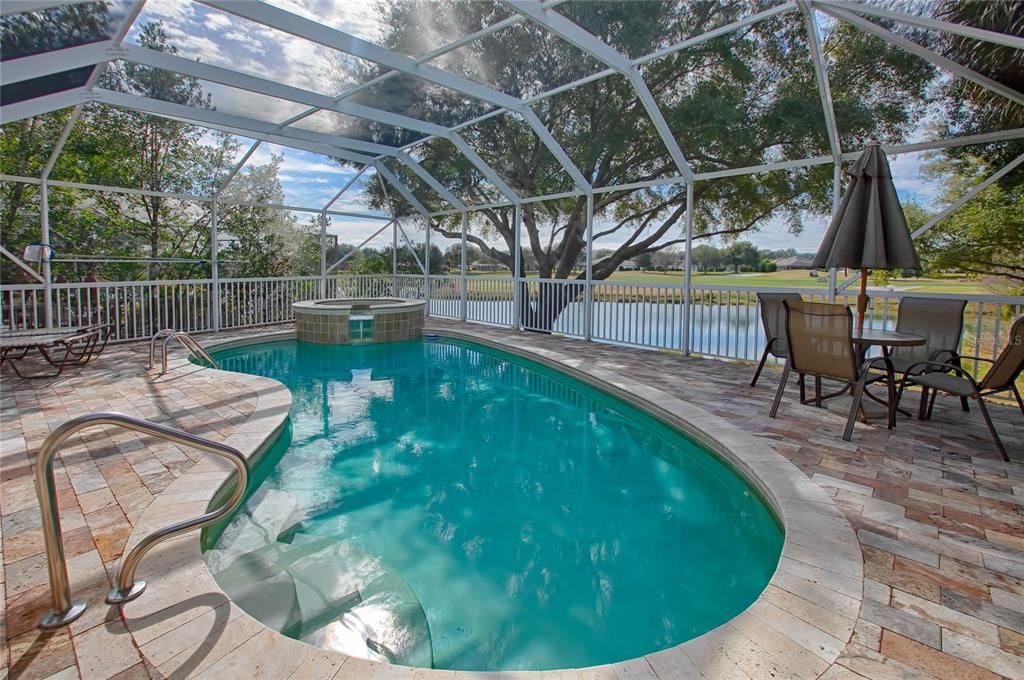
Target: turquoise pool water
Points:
(438, 503)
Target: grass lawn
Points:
(793, 279)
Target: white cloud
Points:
(216, 22)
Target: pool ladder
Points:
(64, 609)
(184, 339)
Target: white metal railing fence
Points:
(725, 321)
(139, 309)
(259, 302)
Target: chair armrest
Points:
(985, 359)
(946, 368)
(81, 335)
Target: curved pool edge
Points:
(799, 625)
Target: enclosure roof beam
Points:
(412, 248)
(243, 81)
(56, 61)
(486, 170)
(25, 6)
(894, 149)
(185, 197)
(343, 189)
(431, 181)
(359, 247)
(974, 191)
(254, 84)
(217, 120)
(717, 32)
(308, 29)
(704, 37)
(560, 25)
(935, 58)
(18, 261)
(199, 113)
(382, 171)
(237, 168)
(966, 140)
(268, 15)
(40, 105)
(821, 75)
(926, 22)
(429, 56)
(272, 139)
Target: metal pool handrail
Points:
(65, 610)
(186, 340)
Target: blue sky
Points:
(310, 180)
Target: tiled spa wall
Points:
(388, 326)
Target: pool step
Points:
(325, 591)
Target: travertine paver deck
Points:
(938, 519)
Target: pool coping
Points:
(387, 306)
(186, 625)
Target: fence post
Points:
(687, 267)
(837, 189)
(44, 237)
(463, 282)
(588, 288)
(517, 269)
(214, 270)
(323, 255)
(394, 259)
(426, 270)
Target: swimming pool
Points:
(439, 503)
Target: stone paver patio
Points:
(937, 515)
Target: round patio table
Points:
(865, 338)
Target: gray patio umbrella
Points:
(869, 230)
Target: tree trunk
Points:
(552, 298)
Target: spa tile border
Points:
(185, 625)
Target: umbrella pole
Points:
(862, 299)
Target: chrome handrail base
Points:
(116, 596)
(65, 609)
(54, 619)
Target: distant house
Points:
(676, 265)
(629, 266)
(794, 262)
(488, 267)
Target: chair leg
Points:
(778, 392)
(817, 391)
(992, 429)
(931, 403)
(803, 390)
(858, 395)
(922, 410)
(964, 405)
(1020, 401)
(760, 367)
(890, 378)
(899, 392)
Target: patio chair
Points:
(60, 348)
(820, 340)
(941, 322)
(773, 319)
(952, 379)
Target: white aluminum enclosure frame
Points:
(370, 155)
